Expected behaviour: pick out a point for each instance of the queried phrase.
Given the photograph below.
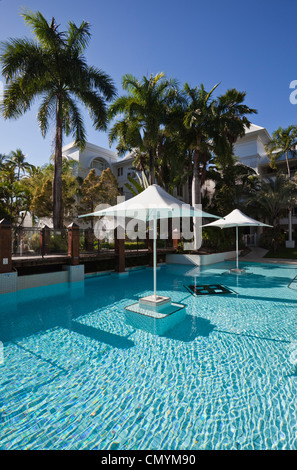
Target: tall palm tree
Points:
(18, 161)
(199, 121)
(53, 68)
(283, 143)
(213, 125)
(143, 113)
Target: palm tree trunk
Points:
(290, 230)
(288, 165)
(57, 180)
(152, 169)
(196, 199)
(196, 186)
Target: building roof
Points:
(130, 157)
(259, 129)
(253, 128)
(94, 148)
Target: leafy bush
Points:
(34, 242)
(134, 245)
(218, 240)
(272, 239)
(58, 243)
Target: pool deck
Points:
(256, 255)
(56, 259)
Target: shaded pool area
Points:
(76, 375)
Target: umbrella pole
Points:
(155, 257)
(236, 247)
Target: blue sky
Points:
(250, 46)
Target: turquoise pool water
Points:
(75, 375)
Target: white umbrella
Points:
(151, 204)
(236, 219)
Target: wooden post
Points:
(90, 239)
(44, 240)
(5, 246)
(175, 243)
(119, 247)
(170, 234)
(73, 244)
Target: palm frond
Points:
(19, 56)
(73, 121)
(47, 34)
(96, 106)
(101, 81)
(131, 84)
(77, 38)
(46, 111)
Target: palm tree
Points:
(284, 142)
(143, 111)
(3, 161)
(137, 185)
(17, 161)
(212, 127)
(53, 68)
(234, 184)
(231, 122)
(271, 200)
(199, 121)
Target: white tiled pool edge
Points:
(200, 260)
(8, 282)
(11, 282)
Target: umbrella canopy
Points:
(236, 218)
(151, 204)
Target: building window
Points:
(120, 171)
(99, 164)
(121, 191)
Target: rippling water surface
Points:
(75, 375)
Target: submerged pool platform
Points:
(236, 271)
(209, 289)
(155, 315)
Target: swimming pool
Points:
(75, 375)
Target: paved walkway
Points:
(257, 254)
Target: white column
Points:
(290, 243)
(236, 247)
(290, 225)
(155, 256)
